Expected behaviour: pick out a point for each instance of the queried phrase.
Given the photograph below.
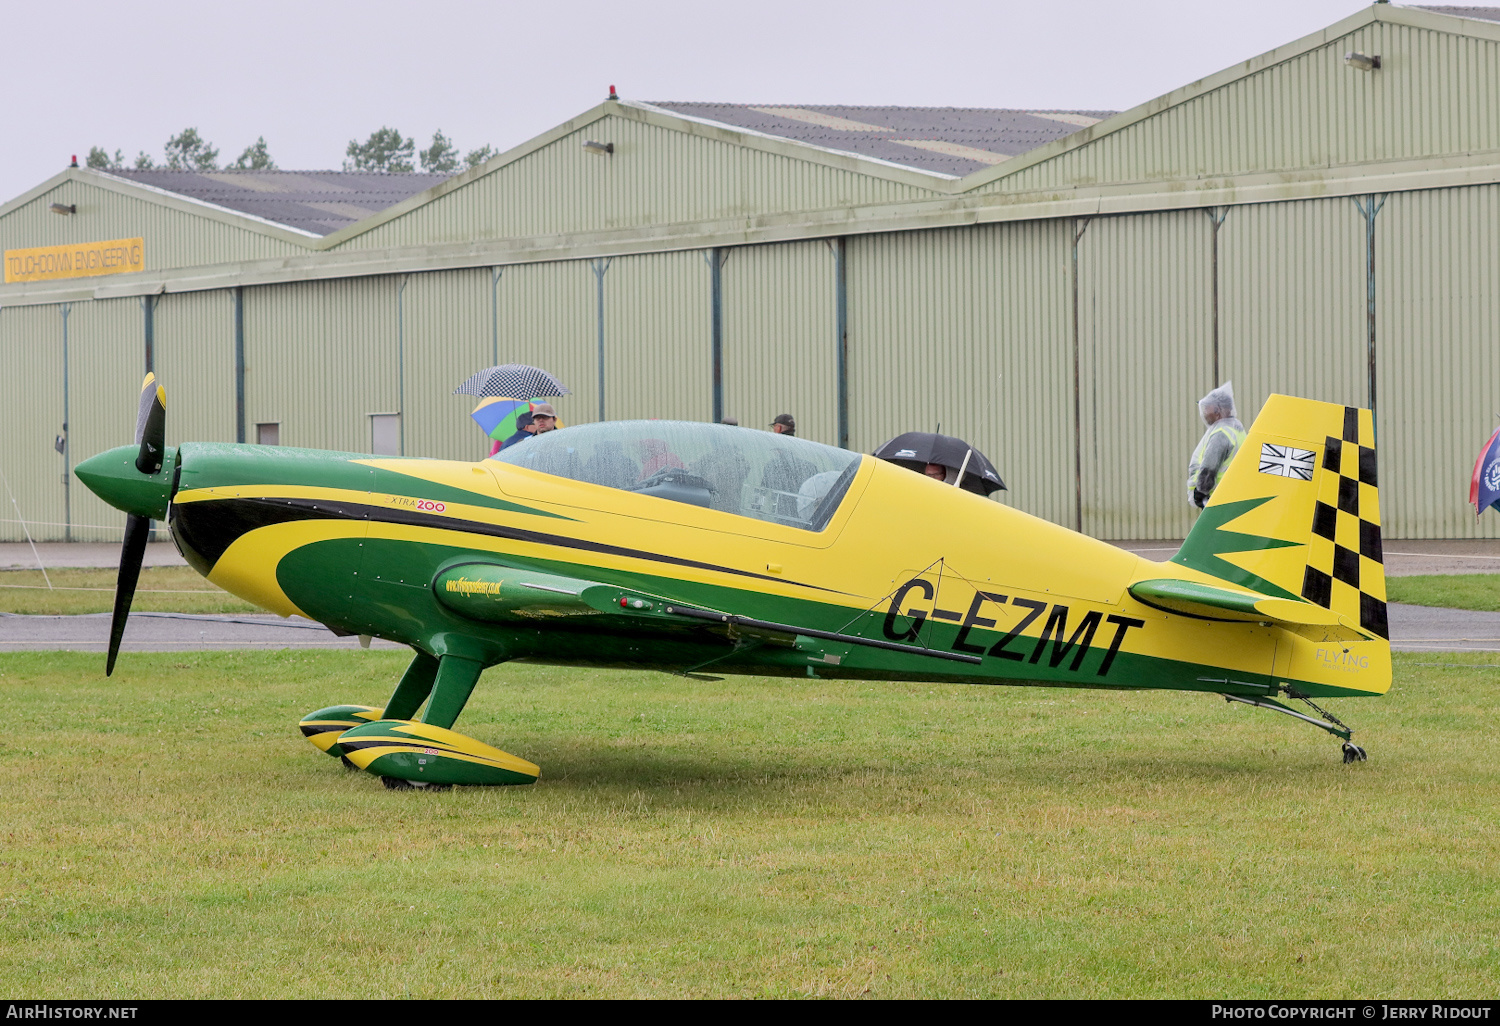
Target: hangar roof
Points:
(320, 202)
(953, 141)
(1482, 13)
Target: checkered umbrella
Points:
(513, 379)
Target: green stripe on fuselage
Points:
(389, 481)
(218, 465)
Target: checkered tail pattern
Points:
(1345, 568)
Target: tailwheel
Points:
(1331, 723)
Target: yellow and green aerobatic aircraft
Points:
(686, 546)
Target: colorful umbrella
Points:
(498, 416)
(1484, 487)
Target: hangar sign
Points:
(78, 260)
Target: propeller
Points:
(151, 436)
(137, 531)
(151, 426)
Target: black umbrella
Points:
(915, 449)
(513, 381)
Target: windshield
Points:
(731, 469)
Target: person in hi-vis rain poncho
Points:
(1218, 445)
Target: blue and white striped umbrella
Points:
(513, 379)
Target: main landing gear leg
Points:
(1331, 723)
(455, 682)
(416, 685)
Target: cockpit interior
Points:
(756, 474)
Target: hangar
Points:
(1056, 286)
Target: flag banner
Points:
(1284, 461)
(1484, 487)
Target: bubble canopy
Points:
(749, 473)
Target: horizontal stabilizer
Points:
(1212, 603)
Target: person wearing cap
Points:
(543, 418)
(540, 419)
(1218, 445)
(524, 430)
(785, 473)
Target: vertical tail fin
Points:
(1297, 514)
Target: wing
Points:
(493, 592)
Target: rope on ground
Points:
(60, 523)
(25, 528)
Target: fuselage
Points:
(357, 542)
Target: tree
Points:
(476, 157)
(100, 160)
(189, 151)
(143, 162)
(385, 150)
(441, 157)
(255, 158)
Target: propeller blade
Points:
(137, 530)
(151, 426)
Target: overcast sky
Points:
(310, 76)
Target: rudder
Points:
(1297, 513)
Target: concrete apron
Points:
(102, 555)
(1402, 558)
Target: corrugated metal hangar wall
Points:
(1068, 339)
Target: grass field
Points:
(168, 833)
(1456, 591)
(162, 589)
